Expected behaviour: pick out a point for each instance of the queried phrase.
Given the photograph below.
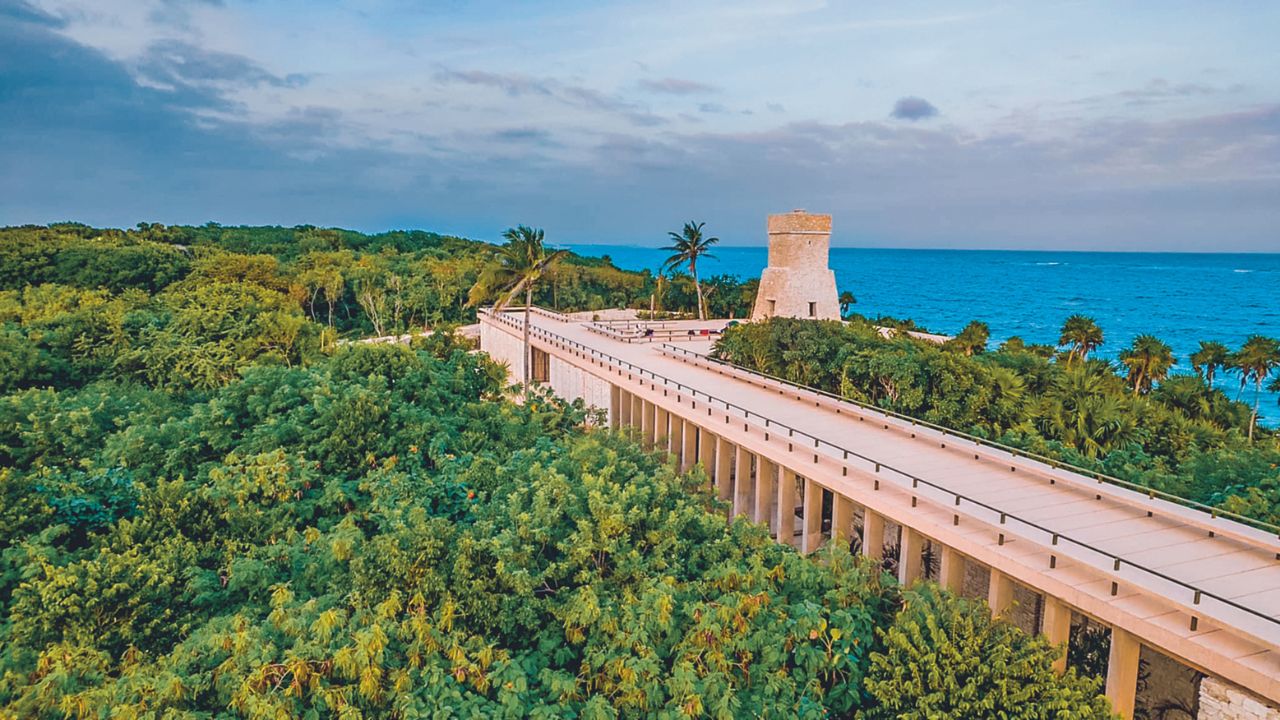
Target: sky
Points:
(968, 124)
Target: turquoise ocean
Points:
(1181, 298)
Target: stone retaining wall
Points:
(1220, 700)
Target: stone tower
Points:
(798, 283)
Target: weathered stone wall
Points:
(570, 382)
(1220, 700)
(798, 274)
(502, 346)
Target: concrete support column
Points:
(999, 593)
(812, 527)
(649, 421)
(688, 446)
(707, 452)
(766, 486)
(910, 550)
(668, 432)
(724, 468)
(742, 483)
(615, 407)
(623, 402)
(1056, 628)
(675, 439)
(951, 570)
(637, 411)
(787, 507)
(841, 518)
(1122, 672)
(661, 429)
(872, 534)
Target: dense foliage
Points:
(211, 507)
(1132, 419)
(357, 284)
(945, 658)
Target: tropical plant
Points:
(945, 658)
(1148, 361)
(847, 300)
(972, 339)
(687, 247)
(1082, 335)
(1256, 359)
(1210, 356)
(516, 270)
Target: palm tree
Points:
(1148, 361)
(972, 339)
(1211, 356)
(846, 299)
(517, 268)
(1256, 359)
(687, 246)
(1082, 334)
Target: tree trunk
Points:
(1257, 396)
(697, 288)
(528, 349)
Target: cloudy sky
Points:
(1043, 124)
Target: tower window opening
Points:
(813, 309)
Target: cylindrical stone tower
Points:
(798, 282)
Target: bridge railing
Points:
(1213, 512)
(1112, 565)
(644, 333)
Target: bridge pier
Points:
(724, 469)
(872, 534)
(649, 423)
(811, 538)
(742, 482)
(787, 506)
(688, 446)
(842, 518)
(766, 486)
(999, 593)
(910, 552)
(951, 570)
(675, 439)
(1055, 625)
(637, 412)
(1122, 671)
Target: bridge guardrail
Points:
(1150, 492)
(1054, 538)
(649, 334)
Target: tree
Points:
(1148, 361)
(1256, 360)
(1211, 356)
(972, 339)
(1082, 335)
(846, 300)
(516, 270)
(687, 246)
(944, 657)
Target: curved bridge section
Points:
(1200, 588)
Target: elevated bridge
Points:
(1199, 587)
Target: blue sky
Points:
(1064, 125)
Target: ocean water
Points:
(1181, 298)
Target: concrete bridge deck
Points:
(1203, 590)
